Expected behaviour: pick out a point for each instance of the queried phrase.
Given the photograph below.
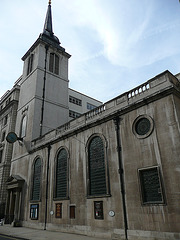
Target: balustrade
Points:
(138, 90)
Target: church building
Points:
(70, 163)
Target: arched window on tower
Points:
(61, 187)
(30, 64)
(23, 126)
(36, 186)
(98, 184)
(54, 63)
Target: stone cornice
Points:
(159, 87)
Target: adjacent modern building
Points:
(80, 103)
(109, 170)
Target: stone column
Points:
(19, 209)
(7, 207)
(10, 206)
(16, 210)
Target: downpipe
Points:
(47, 177)
(121, 172)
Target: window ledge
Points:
(98, 196)
(61, 199)
(35, 201)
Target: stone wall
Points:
(154, 146)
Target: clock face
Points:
(11, 137)
(111, 213)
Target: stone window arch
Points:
(36, 181)
(3, 136)
(61, 174)
(30, 64)
(23, 126)
(97, 167)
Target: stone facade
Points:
(8, 113)
(112, 172)
(157, 100)
(42, 97)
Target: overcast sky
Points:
(115, 44)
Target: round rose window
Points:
(143, 126)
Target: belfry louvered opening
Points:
(61, 174)
(54, 63)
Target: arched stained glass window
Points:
(61, 174)
(36, 180)
(23, 126)
(97, 169)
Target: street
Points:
(5, 237)
(8, 232)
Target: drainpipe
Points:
(47, 177)
(44, 88)
(121, 172)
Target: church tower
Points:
(43, 103)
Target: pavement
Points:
(37, 234)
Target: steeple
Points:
(48, 34)
(46, 71)
(48, 21)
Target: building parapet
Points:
(95, 111)
(152, 87)
(17, 82)
(5, 95)
(8, 92)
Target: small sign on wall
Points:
(58, 210)
(72, 212)
(98, 210)
(34, 211)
